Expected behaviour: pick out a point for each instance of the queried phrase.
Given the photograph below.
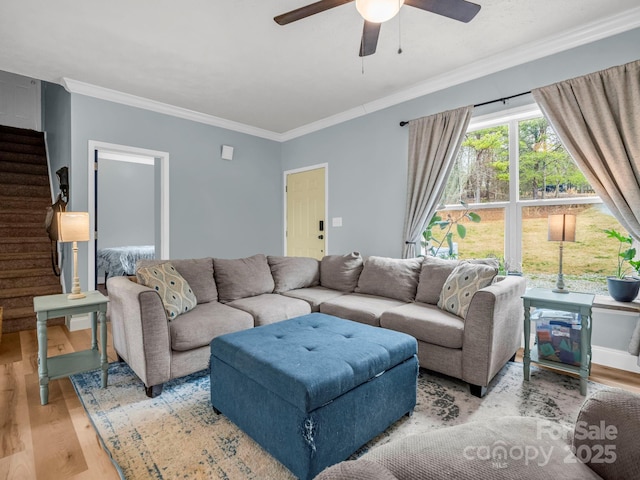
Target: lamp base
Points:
(76, 296)
(560, 282)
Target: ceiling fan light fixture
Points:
(378, 11)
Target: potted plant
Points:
(623, 287)
(434, 246)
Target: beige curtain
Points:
(597, 117)
(434, 143)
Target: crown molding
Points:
(573, 38)
(591, 32)
(81, 88)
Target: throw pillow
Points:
(390, 277)
(341, 272)
(242, 277)
(175, 293)
(434, 273)
(197, 272)
(290, 273)
(465, 280)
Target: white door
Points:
(19, 101)
(306, 229)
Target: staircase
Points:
(25, 248)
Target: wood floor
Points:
(56, 441)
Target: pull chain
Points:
(399, 27)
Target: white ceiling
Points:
(229, 59)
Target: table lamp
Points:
(74, 227)
(562, 228)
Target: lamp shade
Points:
(562, 228)
(378, 11)
(73, 226)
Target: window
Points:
(514, 208)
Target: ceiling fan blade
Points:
(369, 40)
(308, 10)
(460, 10)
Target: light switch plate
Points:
(336, 222)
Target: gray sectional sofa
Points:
(407, 295)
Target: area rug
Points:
(177, 435)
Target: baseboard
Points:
(615, 359)
(78, 322)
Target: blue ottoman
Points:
(313, 389)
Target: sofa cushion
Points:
(433, 274)
(390, 277)
(459, 289)
(359, 307)
(198, 272)
(205, 322)
(175, 292)
(290, 273)
(314, 296)
(271, 307)
(426, 323)
(242, 277)
(341, 272)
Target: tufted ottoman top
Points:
(310, 360)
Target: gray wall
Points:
(217, 208)
(56, 122)
(613, 329)
(367, 156)
(126, 204)
(56, 114)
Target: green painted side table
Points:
(566, 302)
(54, 306)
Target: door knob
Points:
(321, 237)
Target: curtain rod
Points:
(503, 100)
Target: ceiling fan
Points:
(375, 12)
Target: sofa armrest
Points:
(492, 329)
(606, 434)
(140, 329)
(359, 469)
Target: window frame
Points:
(512, 248)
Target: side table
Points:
(53, 306)
(567, 302)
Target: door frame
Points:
(163, 157)
(326, 202)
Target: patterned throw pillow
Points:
(175, 293)
(465, 280)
